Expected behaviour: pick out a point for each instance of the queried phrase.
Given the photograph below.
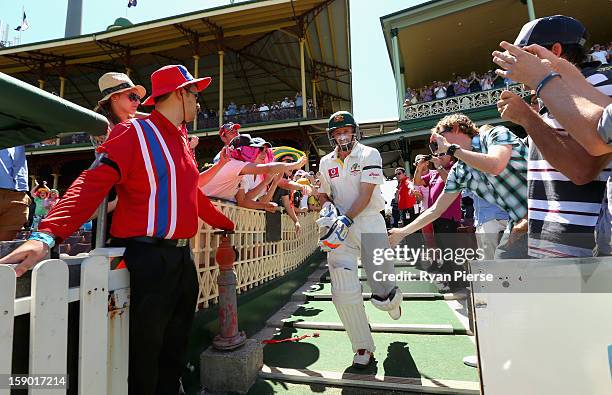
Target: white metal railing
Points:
(460, 103)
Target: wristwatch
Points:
(451, 150)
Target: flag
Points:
(132, 3)
(24, 24)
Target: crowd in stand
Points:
(288, 108)
(458, 86)
(476, 83)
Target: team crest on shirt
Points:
(355, 168)
(333, 173)
(339, 118)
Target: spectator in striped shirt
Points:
(566, 183)
(495, 169)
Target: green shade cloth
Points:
(29, 115)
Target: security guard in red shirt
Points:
(150, 163)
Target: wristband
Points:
(545, 81)
(451, 150)
(44, 237)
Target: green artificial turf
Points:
(413, 312)
(398, 355)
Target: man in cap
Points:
(152, 168)
(566, 185)
(227, 132)
(351, 226)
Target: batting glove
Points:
(336, 235)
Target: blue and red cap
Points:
(170, 78)
(228, 127)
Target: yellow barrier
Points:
(257, 261)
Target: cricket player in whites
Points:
(351, 176)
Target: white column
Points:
(397, 73)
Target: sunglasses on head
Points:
(133, 96)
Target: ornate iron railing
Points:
(459, 103)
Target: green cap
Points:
(340, 119)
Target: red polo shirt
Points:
(405, 199)
(155, 175)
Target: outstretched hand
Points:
(396, 235)
(26, 256)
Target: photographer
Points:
(495, 169)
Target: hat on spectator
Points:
(552, 29)
(246, 148)
(228, 127)
(245, 140)
(283, 151)
(303, 181)
(419, 158)
(170, 78)
(112, 83)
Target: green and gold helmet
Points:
(341, 119)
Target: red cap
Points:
(170, 78)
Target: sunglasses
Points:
(196, 94)
(133, 97)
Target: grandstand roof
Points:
(259, 39)
(444, 37)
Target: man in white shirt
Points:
(351, 176)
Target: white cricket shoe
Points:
(362, 358)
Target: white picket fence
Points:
(103, 322)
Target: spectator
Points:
(119, 103)
(14, 199)
(120, 99)
(495, 169)
(577, 105)
(264, 112)
(566, 184)
(439, 90)
(428, 231)
(395, 212)
(282, 197)
(40, 194)
(461, 86)
(599, 54)
(406, 196)
(299, 102)
(225, 183)
(474, 83)
(52, 200)
(254, 186)
(450, 89)
(227, 132)
(486, 82)
(490, 222)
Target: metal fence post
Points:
(229, 337)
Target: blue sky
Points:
(373, 85)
